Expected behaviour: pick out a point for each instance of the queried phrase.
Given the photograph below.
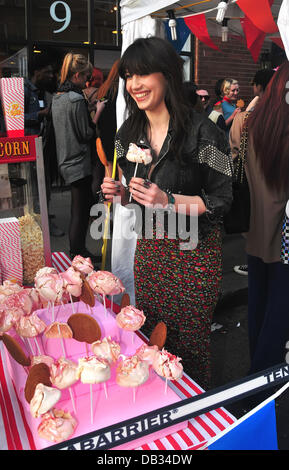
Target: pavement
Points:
(229, 337)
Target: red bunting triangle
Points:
(259, 12)
(198, 26)
(254, 37)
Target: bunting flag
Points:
(198, 26)
(259, 12)
(183, 33)
(254, 36)
(255, 431)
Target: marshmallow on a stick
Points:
(138, 155)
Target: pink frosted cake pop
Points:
(132, 372)
(83, 265)
(63, 373)
(92, 370)
(56, 426)
(49, 287)
(167, 365)
(106, 349)
(43, 400)
(8, 288)
(105, 283)
(20, 300)
(147, 353)
(9, 317)
(29, 326)
(130, 318)
(72, 282)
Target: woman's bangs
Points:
(134, 62)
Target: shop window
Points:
(12, 21)
(106, 22)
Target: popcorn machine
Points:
(24, 228)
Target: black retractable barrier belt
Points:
(148, 423)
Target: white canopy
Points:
(132, 10)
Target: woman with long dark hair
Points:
(268, 177)
(190, 168)
(74, 136)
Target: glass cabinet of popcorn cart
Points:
(24, 229)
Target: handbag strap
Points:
(240, 167)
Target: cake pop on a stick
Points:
(20, 300)
(63, 375)
(132, 372)
(44, 399)
(9, 317)
(56, 426)
(105, 283)
(72, 284)
(130, 318)
(138, 155)
(50, 288)
(9, 287)
(63, 368)
(92, 370)
(168, 366)
(147, 353)
(30, 326)
(82, 265)
(106, 349)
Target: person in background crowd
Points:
(230, 92)
(37, 99)
(190, 90)
(95, 108)
(259, 82)
(75, 138)
(267, 169)
(90, 93)
(191, 165)
(212, 112)
(218, 91)
(36, 106)
(107, 122)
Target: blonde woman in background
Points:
(230, 92)
(75, 138)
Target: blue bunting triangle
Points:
(182, 34)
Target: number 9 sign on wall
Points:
(65, 20)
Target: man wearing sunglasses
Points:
(213, 112)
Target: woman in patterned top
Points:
(177, 272)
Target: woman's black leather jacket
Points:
(206, 168)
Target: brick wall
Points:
(232, 61)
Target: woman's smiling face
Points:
(148, 91)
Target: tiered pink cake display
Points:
(111, 405)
